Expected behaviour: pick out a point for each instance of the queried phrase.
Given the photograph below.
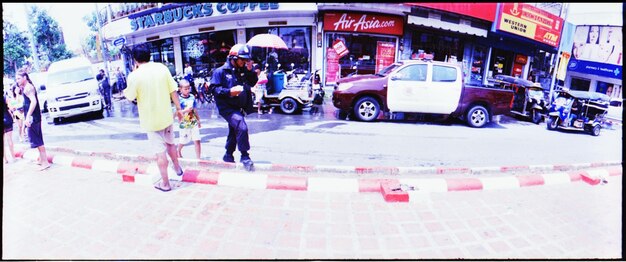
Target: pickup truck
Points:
(419, 86)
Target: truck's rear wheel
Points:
(477, 116)
(366, 109)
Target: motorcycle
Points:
(202, 82)
(578, 110)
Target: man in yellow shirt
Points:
(155, 89)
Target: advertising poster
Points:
(385, 54)
(332, 65)
(597, 50)
(340, 48)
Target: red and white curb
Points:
(143, 160)
(148, 174)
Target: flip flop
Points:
(158, 186)
(44, 168)
(181, 173)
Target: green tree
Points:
(88, 44)
(15, 45)
(48, 37)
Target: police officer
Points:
(231, 85)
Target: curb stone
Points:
(392, 190)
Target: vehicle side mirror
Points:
(42, 87)
(395, 77)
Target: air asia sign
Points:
(176, 13)
(363, 23)
(530, 22)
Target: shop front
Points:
(524, 41)
(201, 34)
(359, 42)
(596, 61)
(452, 32)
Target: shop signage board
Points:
(364, 23)
(385, 54)
(119, 42)
(530, 22)
(562, 68)
(340, 48)
(597, 50)
(484, 11)
(179, 12)
(332, 65)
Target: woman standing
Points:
(32, 118)
(16, 107)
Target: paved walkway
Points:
(70, 213)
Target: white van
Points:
(72, 89)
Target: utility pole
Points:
(33, 48)
(105, 55)
(558, 52)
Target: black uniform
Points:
(233, 109)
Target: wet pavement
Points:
(64, 214)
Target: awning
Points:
(463, 27)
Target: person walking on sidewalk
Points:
(32, 119)
(106, 88)
(190, 123)
(8, 133)
(231, 85)
(155, 89)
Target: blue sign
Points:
(119, 42)
(595, 68)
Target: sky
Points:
(69, 16)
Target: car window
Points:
(444, 73)
(413, 73)
(70, 76)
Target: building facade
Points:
(349, 38)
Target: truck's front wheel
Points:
(477, 116)
(366, 109)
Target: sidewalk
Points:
(64, 214)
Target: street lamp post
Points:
(558, 54)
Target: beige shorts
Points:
(158, 140)
(189, 134)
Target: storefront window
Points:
(540, 68)
(207, 51)
(442, 46)
(361, 58)
(479, 54)
(297, 39)
(579, 84)
(162, 51)
(501, 62)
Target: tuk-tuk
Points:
(578, 110)
(528, 100)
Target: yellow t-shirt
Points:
(152, 85)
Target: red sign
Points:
(385, 54)
(484, 11)
(521, 59)
(364, 23)
(530, 22)
(332, 65)
(340, 48)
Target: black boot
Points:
(228, 157)
(247, 163)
